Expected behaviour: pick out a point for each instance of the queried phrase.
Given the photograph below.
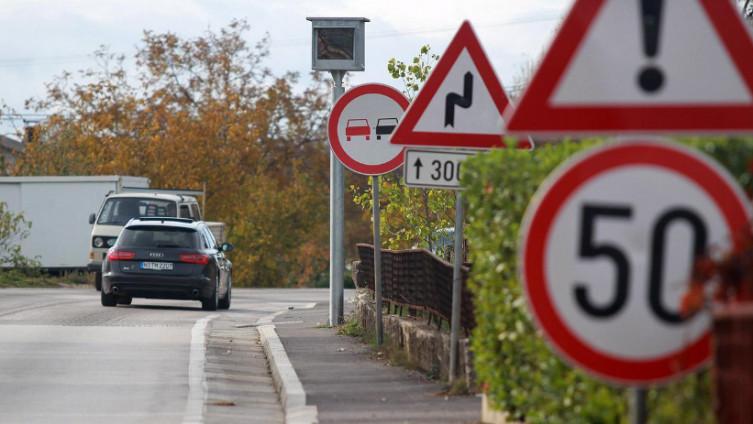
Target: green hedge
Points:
(518, 371)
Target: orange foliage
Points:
(203, 111)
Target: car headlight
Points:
(111, 241)
(99, 242)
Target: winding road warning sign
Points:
(663, 66)
(462, 102)
(608, 247)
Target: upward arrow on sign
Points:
(462, 102)
(417, 164)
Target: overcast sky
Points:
(42, 38)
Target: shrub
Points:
(13, 229)
(521, 375)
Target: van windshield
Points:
(118, 211)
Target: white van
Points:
(118, 209)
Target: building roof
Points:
(11, 144)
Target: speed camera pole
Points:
(337, 45)
(336, 222)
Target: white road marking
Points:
(197, 383)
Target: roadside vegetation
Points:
(38, 279)
(520, 373)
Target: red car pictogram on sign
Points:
(356, 127)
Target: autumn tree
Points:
(203, 111)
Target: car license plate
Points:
(157, 266)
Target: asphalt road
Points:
(66, 359)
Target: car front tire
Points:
(108, 299)
(98, 280)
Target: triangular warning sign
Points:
(620, 66)
(462, 102)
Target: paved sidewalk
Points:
(342, 378)
(240, 387)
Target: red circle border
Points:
(334, 140)
(714, 181)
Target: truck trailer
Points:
(58, 209)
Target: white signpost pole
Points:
(337, 222)
(377, 262)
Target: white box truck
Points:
(58, 209)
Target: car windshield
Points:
(159, 236)
(118, 211)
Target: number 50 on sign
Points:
(609, 244)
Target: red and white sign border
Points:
(464, 39)
(334, 139)
(535, 231)
(526, 117)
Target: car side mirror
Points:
(226, 247)
(92, 218)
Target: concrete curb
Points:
(292, 395)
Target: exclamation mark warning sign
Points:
(642, 66)
(651, 77)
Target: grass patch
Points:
(458, 388)
(352, 328)
(33, 278)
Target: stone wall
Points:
(425, 346)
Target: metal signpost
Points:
(337, 45)
(360, 128)
(425, 168)
(460, 106)
(611, 307)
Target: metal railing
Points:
(418, 280)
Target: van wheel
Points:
(98, 280)
(225, 301)
(210, 304)
(108, 299)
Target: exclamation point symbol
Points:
(651, 78)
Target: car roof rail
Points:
(163, 219)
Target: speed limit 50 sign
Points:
(607, 250)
